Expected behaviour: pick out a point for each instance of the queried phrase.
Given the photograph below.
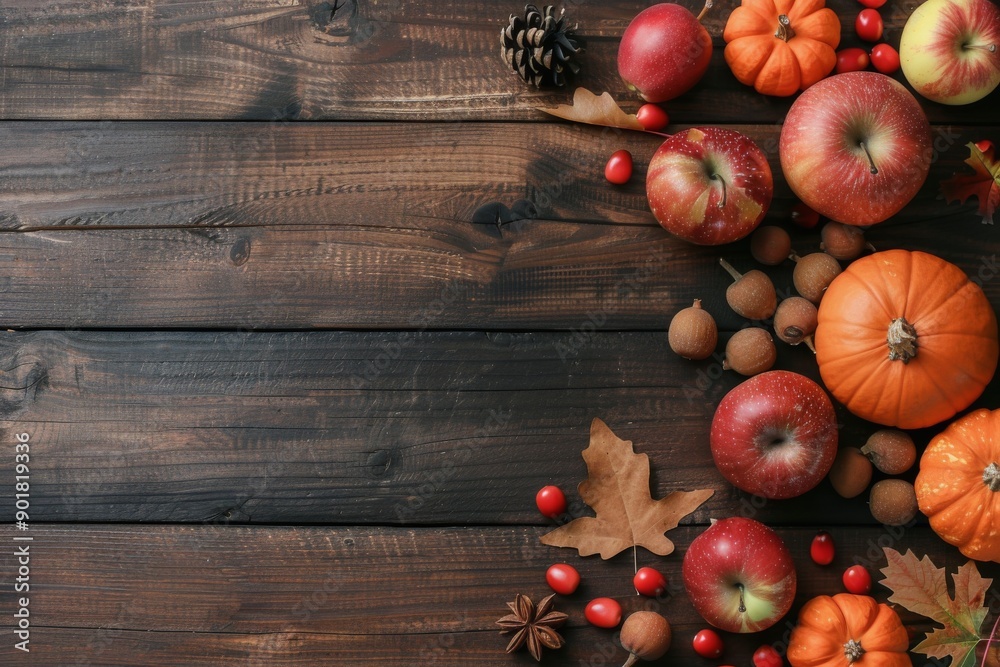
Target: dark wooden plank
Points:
(410, 429)
(239, 225)
(200, 595)
(268, 59)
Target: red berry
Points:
(869, 25)
(851, 60)
(649, 582)
(562, 578)
(857, 580)
(822, 549)
(767, 656)
(803, 216)
(885, 58)
(984, 145)
(708, 644)
(551, 501)
(874, 4)
(652, 117)
(603, 612)
(618, 170)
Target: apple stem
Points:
(704, 10)
(992, 48)
(871, 162)
(716, 177)
(743, 606)
(737, 276)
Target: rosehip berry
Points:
(869, 25)
(551, 501)
(857, 580)
(822, 549)
(803, 216)
(652, 117)
(562, 578)
(767, 656)
(603, 612)
(874, 4)
(618, 170)
(885, 58)
(649, 582)
(708, 644)
(852, 60)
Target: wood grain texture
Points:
(290, 59)
(300, 596)
(366, 428)
(306, 226)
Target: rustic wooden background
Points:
(290, 398)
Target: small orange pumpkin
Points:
(781, 46)
(905, 339)
(846, 630)
(958, 486)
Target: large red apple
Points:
(739, 575)
(709, 185)
(775, 435)
(950, 50)
(856, 147)
(664, 51)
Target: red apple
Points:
(856, 147)
(709, 185)
(739, 575)
(775, 435)
(664, 51)
(950, 50)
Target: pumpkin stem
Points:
(991, 477)
(853, 650)
(902, 339)
(784, 31)
(704, 10)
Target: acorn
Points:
(893, 502)
(795, 321)
(752, 295)
(750, 351)
(890, 450)
(843, 242)
(851, 472)
(813, 274)
(646, 636)
(770, 245)
(692, 333)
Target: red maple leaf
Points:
(984, 184)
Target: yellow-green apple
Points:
(775, 435)
(739, 575)
(709, 185)
(950, 50)
(856, 147)
(664, 51)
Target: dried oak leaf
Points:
(595, 110)
(984, 185)
(617, 488)
(920, 587)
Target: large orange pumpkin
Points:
(958, 486)
(846, 630)
(905, 339)
(781, 46)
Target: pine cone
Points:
(540, 47)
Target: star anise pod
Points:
(532, 625)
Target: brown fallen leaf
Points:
(920, 587)
(984, 184)
(595, 110)
(617, 488)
